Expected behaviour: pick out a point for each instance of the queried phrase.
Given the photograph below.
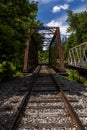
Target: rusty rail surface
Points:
(72, 113)
(75, 119)
(69, 108)
(11, 125)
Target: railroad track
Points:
(45, 106)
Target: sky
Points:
(54, 12)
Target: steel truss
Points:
(49, 33)
(78, 55)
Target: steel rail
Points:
(75, 119)
(70, 109)
(11, 125)
(72, 113)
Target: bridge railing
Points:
(78, 55)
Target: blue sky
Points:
(54, 12)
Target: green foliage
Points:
(85, 83)
(16, 16)
(71, 41)
(43, 56)
(37, 38)
(73, 75)
(18, 74)
(15, 19)
(7, 70)
(78, 29)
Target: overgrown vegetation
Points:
(43, 56)
(16, 16)
(78, 34)
(85, 83)
(77, 29)
(73, 75)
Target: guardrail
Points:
(78, 55)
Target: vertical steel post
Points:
(62, 68)
(25, 68)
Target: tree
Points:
(78, 29)
(16, 16)
(78, 25)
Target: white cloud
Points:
(61, 21)
(56, 23)
(57, 8)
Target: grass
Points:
(8, 71)
(73, 75)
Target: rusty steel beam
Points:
(56, 34)
(51, 29)
(42, 27)
(25, 68)
(60, 51)
(32, 30)
(62, 68)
